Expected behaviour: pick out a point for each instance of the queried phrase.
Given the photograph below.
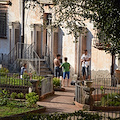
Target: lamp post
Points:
(22, 27)
(23, 19)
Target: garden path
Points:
(60, 101)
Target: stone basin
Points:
(89, 83)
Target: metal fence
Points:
(46, 85)
(106, 98)
(106, 94)
(26, 53)
(13, 83)
(79, 93)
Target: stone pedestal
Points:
(88, 97)
(34, 87)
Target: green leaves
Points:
(4, 71)
(112, 99)
(3, 97)
(13, 95)
(56, 82)
(32, 98)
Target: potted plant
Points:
(57, 84)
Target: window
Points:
(49, 19)
(3, 24)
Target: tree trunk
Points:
(113, 80)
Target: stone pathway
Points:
(60, 101)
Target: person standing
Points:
(23, 70)
(57, 65)
(85, 59)
(66, 71)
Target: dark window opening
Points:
(3, 24)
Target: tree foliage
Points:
(105, 15)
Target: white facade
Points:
(55, 39)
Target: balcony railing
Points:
(46, 1)
(97, 43)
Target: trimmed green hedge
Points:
(80, 115)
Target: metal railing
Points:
(46, 85)
(104, 94)
(24, 52)
(31, 56)
(105, 97)
(13, 83)
(97, 43)
(79, 93)
(48, 57)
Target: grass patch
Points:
(15, 107)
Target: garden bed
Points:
(46, 95)
(106, 102)
(59, 89)
(98, 97)
(106, 108)
(15, 108)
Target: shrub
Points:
(32, 98)
(13, 95)
(20, 95)
(36, 77)
(112, 99)
(4, 71)
(3, 97)
(15, 75)
(26, 76)
(56, 82)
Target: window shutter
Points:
(3, 24)
(55, 43)
(17, 35)
(39, 48)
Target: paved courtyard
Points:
(60, 101)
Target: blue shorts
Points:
(66, 73)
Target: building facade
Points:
(48, 41)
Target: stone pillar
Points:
(34, 87)
(88, 97)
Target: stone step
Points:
(45, 72)
(44, 68)
(47, 75)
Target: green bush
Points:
(20, 95)
(112, 99)
(13, 95)
(4, 71)
(15, 75)
(56, 82)
(26, 76)
(36, 77)
(79, 115)
(3, 97)
(31, 98)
